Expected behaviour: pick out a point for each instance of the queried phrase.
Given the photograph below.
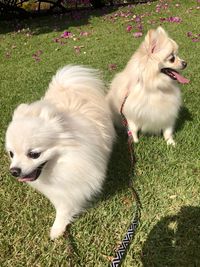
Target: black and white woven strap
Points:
(125, 243)
(120, 253)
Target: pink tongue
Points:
(24, 179)
(180, 78)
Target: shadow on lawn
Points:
(118, 177)
(174, 241)
(55, 22)
(184, 115)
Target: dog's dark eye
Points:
(33, 155)
(11, 154)
(172, 59)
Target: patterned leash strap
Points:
(120, 253)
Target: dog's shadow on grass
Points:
(184, 116)
(174, 241)
(119, 167)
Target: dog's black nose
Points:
(15, 171)
(184, 64)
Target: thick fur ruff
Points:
(71, 128)
(154, 99)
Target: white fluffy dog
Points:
(60, 145)
(150, 80)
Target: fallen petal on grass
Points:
(195, 40)
(174, 19)
(137, 34)
(139, 27)
(56, 40)
(129, 28)
(36, 55)
(189, 34)
(77, 48)
(66, 34)
(137, 19)
(39, 52)
(84, 33)
(112, 66)
(171, 19)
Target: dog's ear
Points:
(36, 109)
(154, 40)
(150, 36)
(20, 111)
(150, 41)
(160, 30)
(48, 113)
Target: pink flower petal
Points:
(137, 34)
(129, 28)
(174, 19)
(37, 59)
(140, 27)
(39, 52)
(84, 33)
(66, 34)
(56, 40)
(36, 55)
(189, 34)
(195, 40)
(112, 66)
(138, 19)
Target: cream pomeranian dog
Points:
(60, 145)
(150, 81)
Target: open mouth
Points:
(174, 75)
(30, 177)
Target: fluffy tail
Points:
(72, 76)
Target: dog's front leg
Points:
(168, 135)
(60, 223)
(134, 130)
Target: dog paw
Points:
(171, 142)
(56, 232)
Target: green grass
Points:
(166, 178)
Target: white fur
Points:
(154, 99)
(72, 127)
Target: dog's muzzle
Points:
(30, 177)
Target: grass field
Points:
(167, 178)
